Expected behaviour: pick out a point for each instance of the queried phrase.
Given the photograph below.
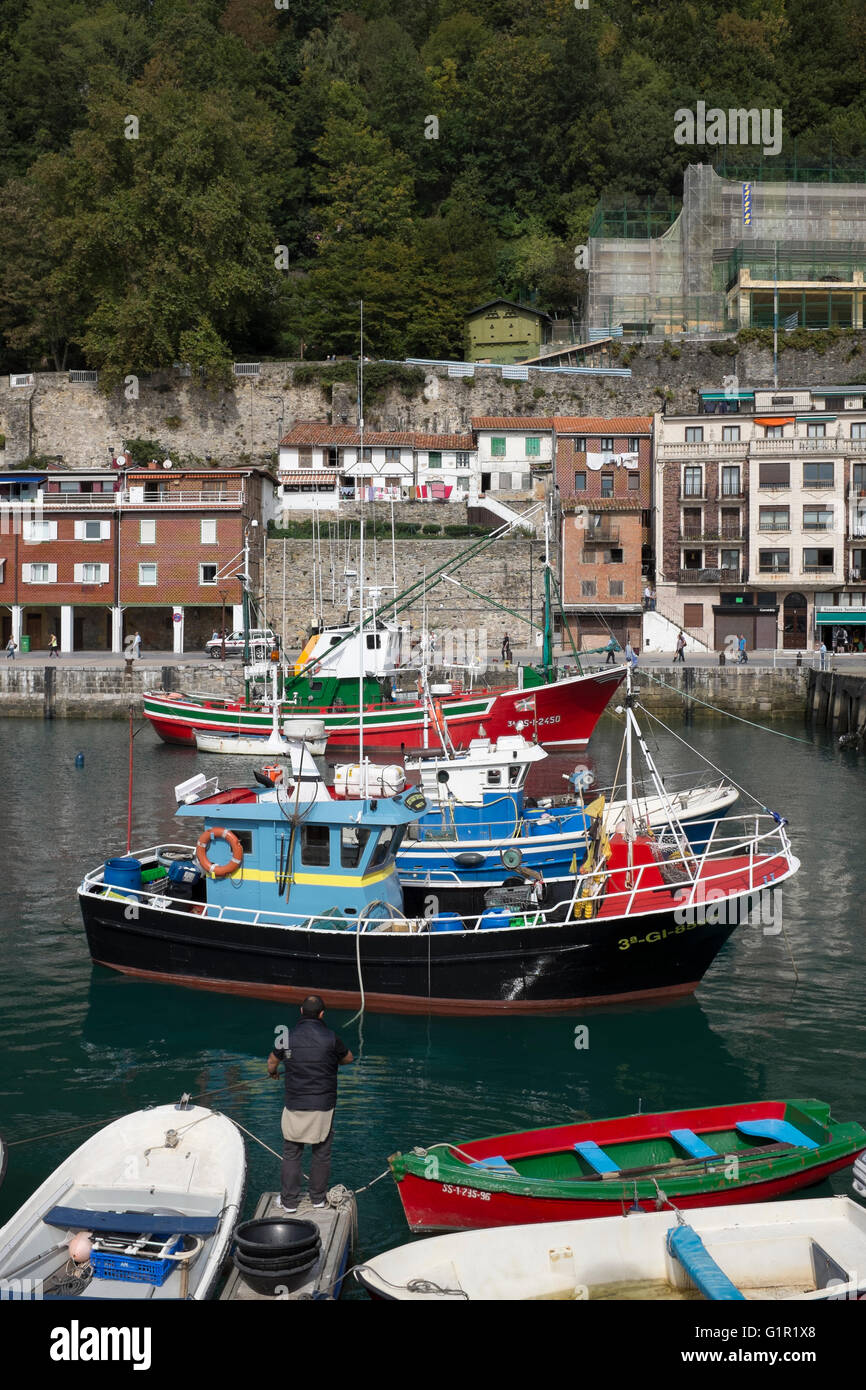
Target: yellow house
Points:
(502, 331)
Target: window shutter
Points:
(78, 574)
(52, 574)
(25, 574)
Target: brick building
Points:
(761, 516)
(604, 477)
(93, 556)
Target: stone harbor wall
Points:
(55, 417)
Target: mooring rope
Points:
(751, 722)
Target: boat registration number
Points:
(653, 936)
(466, 1192)
(545, 719)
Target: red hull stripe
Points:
(398, 1003)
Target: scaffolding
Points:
(675, 280)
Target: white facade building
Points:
(320, 465)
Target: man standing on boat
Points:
(312, 1054)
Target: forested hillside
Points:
(158, 154)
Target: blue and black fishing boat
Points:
(293, 887)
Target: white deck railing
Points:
(760, 839)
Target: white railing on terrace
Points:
(760, 840)
(827, 445)
(729, 449)
(173, 498)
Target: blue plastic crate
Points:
(131, 1269)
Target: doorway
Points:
(794, 622)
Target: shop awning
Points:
(23, 477)
(843, 619)
(308, 475)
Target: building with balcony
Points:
(94, 556)
(604, 477)
(320, 465)
(761, 511)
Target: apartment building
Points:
(604, 477)
(320, 465)
(93, 556)
(761, 516)
(515, 453)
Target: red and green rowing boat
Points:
(694, 1158)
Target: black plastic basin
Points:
(269, 1282)
(275, 1233)
(279, 1259)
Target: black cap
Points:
(312, 1006)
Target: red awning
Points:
(774, 419)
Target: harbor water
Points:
(780, 1013)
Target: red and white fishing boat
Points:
(557, 714)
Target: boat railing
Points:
(690, 877)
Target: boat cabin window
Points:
(380, 853)
(316, 687)
(246, 840)
(513, 775)
(494, 777)
(315, 845)
(374, 641)
(353, 841)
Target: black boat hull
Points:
(522, 969)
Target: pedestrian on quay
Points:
(822, 651)
(136, 645)
(506, 649)
(312, 1056)
(612, 648)
(52, 645)
(10, 649)
(679, 655)
(631, 656)
(741, 646)
(649, 602)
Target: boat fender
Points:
(219, 832)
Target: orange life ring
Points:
(218, 832)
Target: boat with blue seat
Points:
(143, 1210)
(809, 1250)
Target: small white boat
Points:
(145, 1209)
(286, 739)
(807, 1250)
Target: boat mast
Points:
(546, 653)
(361, 638)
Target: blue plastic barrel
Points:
(123, 873)
(495, 917)
(447, 921)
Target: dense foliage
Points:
(195, 180)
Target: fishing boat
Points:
(293, 886)
(561, 713)
(725, 1153)
(808, 1250)
(482, 832)
(347, 675)
(143, 1210)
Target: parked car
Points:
(234, 643)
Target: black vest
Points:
(312, 1062)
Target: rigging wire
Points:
(764, 728)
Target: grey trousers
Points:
(320, 1170)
